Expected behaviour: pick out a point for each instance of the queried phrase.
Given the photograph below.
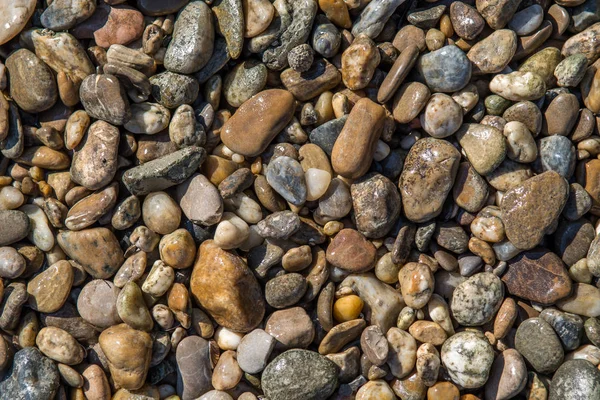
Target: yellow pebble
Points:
(347, 308)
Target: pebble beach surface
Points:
(299, 200)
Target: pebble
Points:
(376, 204)
(351, 251)
(300, 373)
(523, 204)
(12, 264)
(475, 301)
(527, 20)
(445, 70)
(568, 105)
(421, 199)
(502, 45)
(409, 101)
(575, 379)
(568, 327)
(584, 300)
(291, 327)
(193, 40)
(442, 116)
(466, 20)
(416, 283)
(97, 303)
(31, 373)
(62, 15)
(538, 275)
(571, 70)
(239, 307)
(171, 89)
(59, 346)
(254, 350)
(286, 177)
(111, 25)
(326, 40)
(536, 341)
(518, 86)
(484, 146)
(359, 62)
(353, 150)
(49, 290)
(520, 145)
(468, 357)
(285, 290)
(376, 389)
(508, 376)
(96, 250)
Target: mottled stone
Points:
(445, 70)
(497, 13)
(468, 357)
(193, 367)
(351, 251)
(476, 300)
(574, 380)
(536, 341)
(31, 376)
(484, 146)
(376, 203)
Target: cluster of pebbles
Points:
(299, 199)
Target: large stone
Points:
(230, 293)
(193, 367)
(14, 16)
(299, 375)
(256, 122)
(31, 376)
(576, 380)
(468, 357)
(427, 178)
(530, 210)
(537, 342)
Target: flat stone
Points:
(286, 176)
(111, 25)
(557, 153)
(299, 374)
(484, 145)
(14, 226)
(254, 351)
(351, 251)
(539, 345)
(164, 172)
(229, 17)
(193, 367)
(421, 198)
(583, 43)
(492, 54)
(291, 327)
(49, 290)
(374, 16)
(538, 275)
(530, 209)
(200, 200)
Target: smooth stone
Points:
(172, 90)
(104, 98)
(132, 309)
(445, 70)
(148, 118)
(351, 251)
(128, 352)
(376, 204)
(32, 374)
(254, 350)
(251, 142)
(286, 177)
(193, 367)
(238, 306)
(14, 226)
(529, 210)
(568, 327)
(12, 264)
(527, 113)
(97, 303)
(65, 14)
(291, 327)
(320, 77)
(497, 13)
(285, 290)
(416, 284)
(15, 18)
(59, 346)
(492, 54)
(442, 116)
(299, 374)
(568, 106)
(518, 86)
(374, 16)
(44, 157)
(111, 25)
(421, 198)
(359, 61)
(575, 379)
(95, 159)
(530, 43)
(409, 100)
(200, 200)
(527, 20)
(536, 341)
(584, 300)
(475, 301)
(584, 15)
(49, 290)
(158, 7)
(466, 20)
(484, 146)
(90, 209)
(583, 43)
(326, 38)
(427, 18)
(337, 12)
(560, 19)
(23, 67)
(508, 376)
(538, 275)
(244, 81)
(96, 249)
(571, 70)
(297, 32)
(578, 204)
(258, 15)
(557, 153)
(335, 203)
(353, 150)
(468, 357)
(164, 172)
(193, 39)
(326, 135)
(470, 190)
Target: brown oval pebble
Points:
(351, 251)
(49, 290)
(254, 125)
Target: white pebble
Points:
(226, 339)
(231, 232)
(317, 182)
(10, 198)
(381, 150)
